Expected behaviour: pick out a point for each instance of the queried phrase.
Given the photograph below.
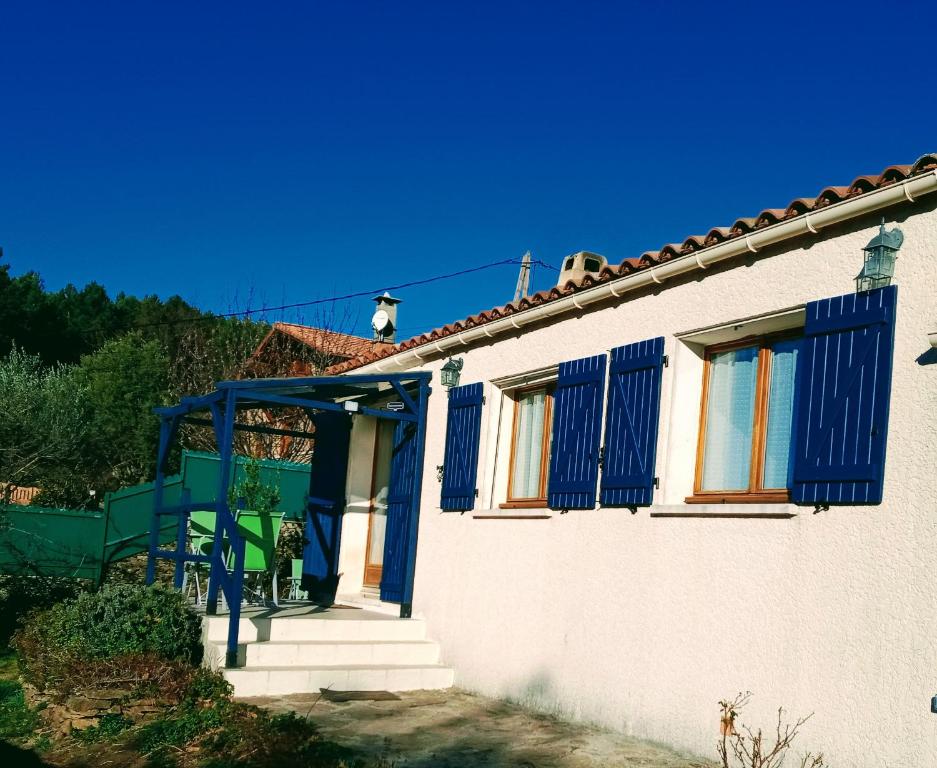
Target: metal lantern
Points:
(449, 373)
(880, 255)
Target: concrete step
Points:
(364, 627)
(280, 680)
(328, 653)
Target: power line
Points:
(344, 297)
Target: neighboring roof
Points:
(330, 342)
(19, 494)
(797, 207)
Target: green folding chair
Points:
(201, 538)
(296, 580)
(261, 532)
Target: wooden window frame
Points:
(541, 501)
(756, 493)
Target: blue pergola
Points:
(329, 401)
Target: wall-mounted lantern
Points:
(880, 255)
(449, 373)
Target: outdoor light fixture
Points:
(449, 373)
(880, 255)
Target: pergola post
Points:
(167, 431)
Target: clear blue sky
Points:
(297, 150)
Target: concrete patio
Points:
(455, 729)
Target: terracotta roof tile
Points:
(742, 226)
(341, 345)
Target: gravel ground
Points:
(449, 729)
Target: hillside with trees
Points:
(80, 372)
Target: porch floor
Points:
(456, 729)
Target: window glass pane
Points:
(780, 406)
(727, 452)
(528, 445)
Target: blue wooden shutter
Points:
(460, 465)
(577, 422)
(631, 424)
(841, 400)
(325, 505)
(399, 503)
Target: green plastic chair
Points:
(261, 532)
(296, 580)
(201, 538)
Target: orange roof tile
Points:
(331, 342)
(860, 185)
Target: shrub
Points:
(20, 595)
(17, 720)
(743, 747)
(119, 626)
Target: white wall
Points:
(643, 623)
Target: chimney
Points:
(384, 320)
(577, 265)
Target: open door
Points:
(325, 505)
(399, 504)
(377, 515)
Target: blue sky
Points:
(292, 151)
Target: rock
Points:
(80, 723)
(82, 705)
(108, 694)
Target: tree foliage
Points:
(44, 420)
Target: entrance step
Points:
(278, 681)
(300, 650)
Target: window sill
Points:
(506, 512)
(762, 511)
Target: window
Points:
(745, 424)
(569, 264)
(592, 265)
(530, 448)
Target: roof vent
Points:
(578, 265)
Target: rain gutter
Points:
(908, 190)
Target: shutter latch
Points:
(666, 361)
(602, 457)
(440, 472)
(657, 483)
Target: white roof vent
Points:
(578, 265)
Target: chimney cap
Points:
(386, 298)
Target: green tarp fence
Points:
(81, 544)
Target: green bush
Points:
(17, 720)
(119, 623)
(19, 595)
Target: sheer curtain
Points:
(528, 445)
(727, 452)
(780, 412)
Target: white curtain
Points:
(528, 445)
(727, 452)
(780, 407)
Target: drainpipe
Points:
(908, 190)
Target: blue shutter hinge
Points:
(440, 471)
(666, 361)
(657, 483)
(476, 493)
(483, 399)
(602, 457)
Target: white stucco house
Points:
(706, 470)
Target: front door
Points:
(380, 486)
